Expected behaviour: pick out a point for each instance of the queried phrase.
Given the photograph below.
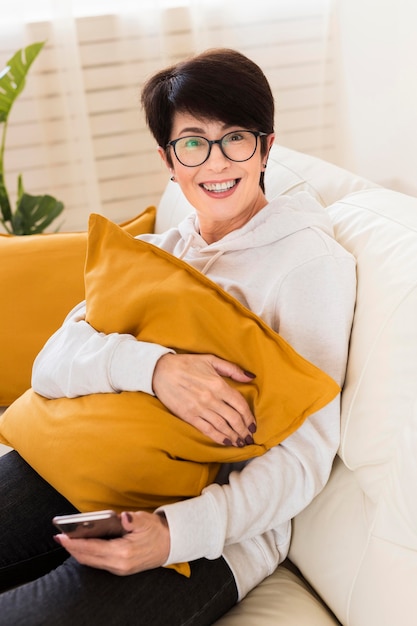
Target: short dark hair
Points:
(218, 84)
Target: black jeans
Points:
(41, 585)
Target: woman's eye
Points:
(235, 137)
(193, 142)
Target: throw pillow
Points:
(41, 279)
(126, 450)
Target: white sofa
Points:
(355, 546)
(353, 558)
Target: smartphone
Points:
(99, 524)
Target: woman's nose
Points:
(217, 160)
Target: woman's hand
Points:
(146, 546)
(191, 386)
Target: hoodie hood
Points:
(281, 218)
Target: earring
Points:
(264, 166)
(173, 179)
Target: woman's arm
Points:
(315, 307)
(77, 360)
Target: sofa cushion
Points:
(289, 171)
(148, 456)
(41, 279)
(282, 599)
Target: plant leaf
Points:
(34, 213)
(4, 201)
(12, 77)
(20, 188)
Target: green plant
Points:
(33, 213)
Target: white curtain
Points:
(77, 131)
(378, 88)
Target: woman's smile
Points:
(220, 189)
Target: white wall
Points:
(376, 43)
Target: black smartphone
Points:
(99, 524)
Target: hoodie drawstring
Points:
(212, 260)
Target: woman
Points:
(212, 117)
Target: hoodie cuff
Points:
(133, 363)
(195, 529)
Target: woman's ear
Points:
(163, 156)
(268, 145)
(271, 139)
(162, 153)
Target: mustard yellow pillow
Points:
(126, 451)
(41, 279)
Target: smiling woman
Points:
(278, 259)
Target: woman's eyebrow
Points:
(191, 129)
(200, 131)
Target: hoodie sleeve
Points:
(77, 360)
(315, 308)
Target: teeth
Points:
(219, 186)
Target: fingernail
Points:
(249, 440)
(129, 517)
(249, 374)
(240, 443)
(227, 442)
(252, 428)
(57, 539)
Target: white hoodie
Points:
(285, 266)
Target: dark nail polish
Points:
(252, 428)
(249, 440)
(227, 442)
(249, 374)
(240, 443)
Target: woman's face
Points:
(225, 193)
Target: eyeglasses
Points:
(239, 145)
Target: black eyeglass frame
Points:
(211, 142)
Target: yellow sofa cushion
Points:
(127, 451)
(41, 279)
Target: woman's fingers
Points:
(224, 423)
(193, 388)
(217, 429)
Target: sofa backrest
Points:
(379, 227)
(358, 539)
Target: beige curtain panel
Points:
(77, 131)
